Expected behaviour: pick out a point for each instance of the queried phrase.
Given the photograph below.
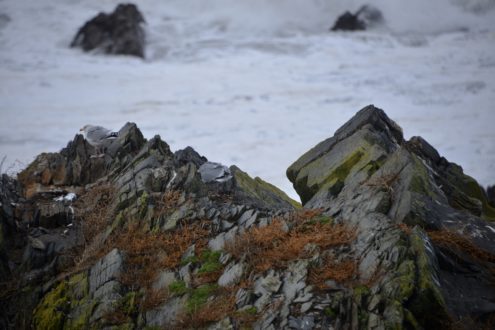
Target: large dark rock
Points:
(367, 16)
(120, 32)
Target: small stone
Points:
(211, 172)
(306, 307)
(185, 274)
(305, 323)
(37, 244)
(232, 274)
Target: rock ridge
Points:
(391, 236)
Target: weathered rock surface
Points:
(144, 237)
(369, 176)
(365, 17)
(119, 33)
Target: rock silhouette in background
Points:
(367, 16)
(119, 33)
(391, 235)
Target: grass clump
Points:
(178, 288)
(210, 261)
(340, 272)
(458, 243)
(273, 247)
(199, 296)
(207, 304)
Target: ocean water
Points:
(254, 83)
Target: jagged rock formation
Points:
(368, 175)
(365, 17)
(391, 236)
(119, 33)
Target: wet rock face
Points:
(119, 33)
(367, 16)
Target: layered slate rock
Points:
(369, 176)
(119, 33)
(45, 212)
(391, 236)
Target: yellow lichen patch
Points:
(50, 313)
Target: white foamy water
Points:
(254, 83)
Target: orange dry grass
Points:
(405, 228)
(168, 201)
(330, 270)
(451, 240)
(153, 299)
(272, 247)
(146, 252)
(210, 277)
(95, 210)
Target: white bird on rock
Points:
(97, 136)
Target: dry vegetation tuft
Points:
(340, 272)
(148, 252)
(145, 252)
(453, 241)
(96, 210)
(273, 247)
(169, 201)
(95, 213)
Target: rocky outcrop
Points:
(365, 17)
(369, 176)
(119, 33)
(391, 235)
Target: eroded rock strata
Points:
(390, 235)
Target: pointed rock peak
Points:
(375, 117)
(353, 144)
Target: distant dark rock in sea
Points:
(367, 16)
(391, 235)
(119, 33)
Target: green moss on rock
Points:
(420, 181)
(472, 189)
(261, 189)
(67, 306)
(427, 305)
(199, 297)
(330, 312)
(210, 261)
(307, 185)
(405, 279)
(178, 288)
(143, 205)
(51, 311)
